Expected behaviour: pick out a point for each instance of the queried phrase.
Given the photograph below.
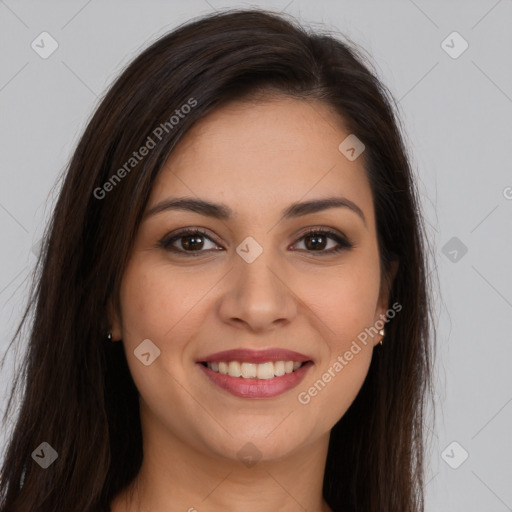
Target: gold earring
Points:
(381, 332)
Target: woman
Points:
(232, 311)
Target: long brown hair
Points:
(78, 394)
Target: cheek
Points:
(156, 302)
(143, 299)
(345, 300)
(345, 304)
(329, 395)
(166, 306)
(157, 305)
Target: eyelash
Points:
(166, 242)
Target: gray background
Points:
(457, 116)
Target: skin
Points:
(257, 158)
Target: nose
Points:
(259, 297)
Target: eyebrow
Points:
(223, 212)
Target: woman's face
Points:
(254, 282)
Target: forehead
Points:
(261, 155)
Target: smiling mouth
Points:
(258, 371)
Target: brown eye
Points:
(324, 242)
(189, 241)
(315, 242)
(192, 242)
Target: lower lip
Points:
(257, 388)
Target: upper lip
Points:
(255, 356)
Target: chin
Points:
(269, 440)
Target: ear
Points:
(114, 321)
(386, 285)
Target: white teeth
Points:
(260, 371)
(278, 368)
(249, 371)
(234, 369)
(265, 371)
